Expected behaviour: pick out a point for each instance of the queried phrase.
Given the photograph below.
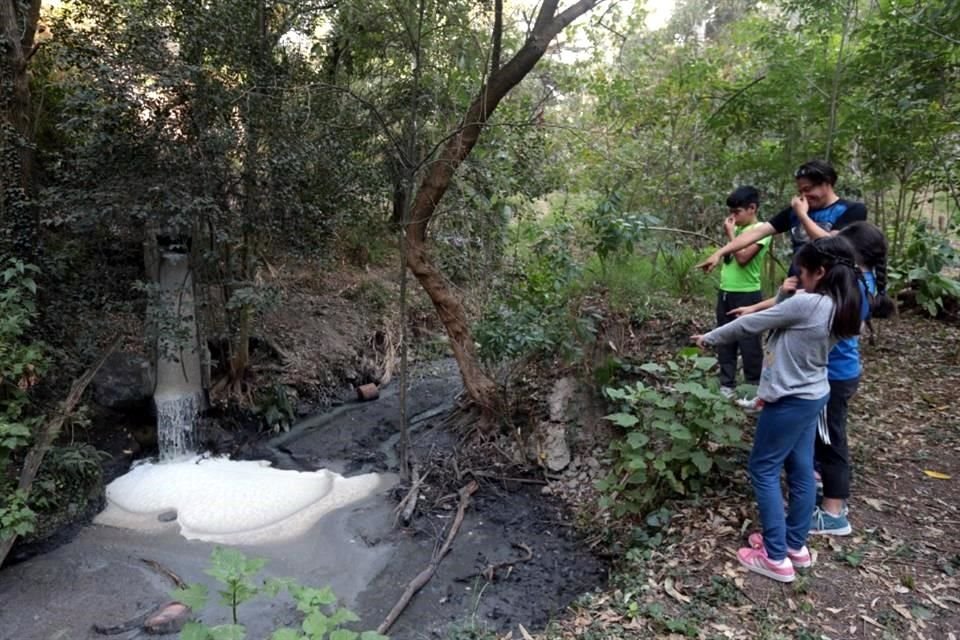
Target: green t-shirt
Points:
(741, 279)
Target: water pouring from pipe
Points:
(178, 396)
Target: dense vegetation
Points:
(284, 131)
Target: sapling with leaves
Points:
(237, 576)
(678, 432)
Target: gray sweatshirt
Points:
(797, 349)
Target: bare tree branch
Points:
(497, 36)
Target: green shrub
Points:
(677, 275)
(676, 431)
(614, 231)
(22, 363)
(67, 475)
(276, 406)
(921, 268)
(236, 574)
(533, 313)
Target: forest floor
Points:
(896, 576)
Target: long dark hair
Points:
(839, 282)
(871, 247)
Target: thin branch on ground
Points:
(424, 576)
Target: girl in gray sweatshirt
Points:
(794, 388)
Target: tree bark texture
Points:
(479, 386)
(18, 28)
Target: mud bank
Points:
(99, 577)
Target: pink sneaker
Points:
(800, 559)
(756, 560)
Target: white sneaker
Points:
(728, 392)
(751, 405)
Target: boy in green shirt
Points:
(739, 287)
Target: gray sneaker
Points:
(728, 392)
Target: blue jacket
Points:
(844, 362)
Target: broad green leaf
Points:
(341, 616)
(623, 419)
(316, 624)
(701, 461)
(194, 631)
(228, 632)
(286, 634)
(637, 439)
(194, 596)
(704, 364)
(344, 634)
(274, 586)
(313, 598)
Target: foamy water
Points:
(229, 501)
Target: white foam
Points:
(228, 501)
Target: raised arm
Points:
(744, 240)
(802, 209)
(787, 289)
(753, 308)
(785, 314)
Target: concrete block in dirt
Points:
(124, 382)
(548, 443)
(560, 397)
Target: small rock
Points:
(168, 516)
(546, 490)
(593, 463)
(556, 452)
(169, 619)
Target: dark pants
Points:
(833, 460)
(750, 348)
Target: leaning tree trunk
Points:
(480, 387)
(18, 28)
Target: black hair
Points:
(743, 197)
(817, 172)
(871, 247)
(839, 282)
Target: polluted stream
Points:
(320, 511)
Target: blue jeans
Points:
(785, 438)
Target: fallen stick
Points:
(409, 503)
(489, 573)
(493, 476)
(162, 570)
(424, 576)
